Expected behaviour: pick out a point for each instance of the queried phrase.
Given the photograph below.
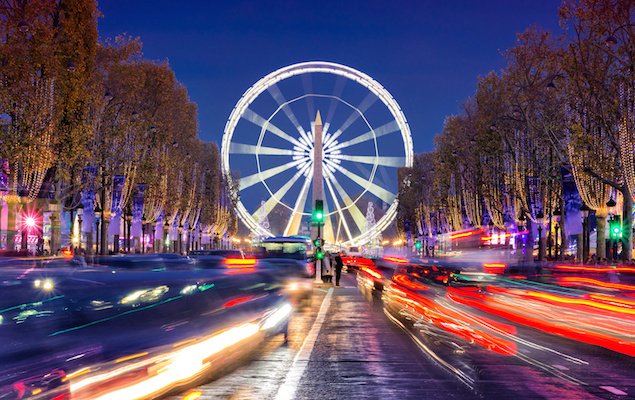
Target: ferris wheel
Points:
(269, 146)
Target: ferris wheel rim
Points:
(253, 92)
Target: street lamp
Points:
(80, 213)
(128, 220)
(97, 211)
(584, 214)
(557, 213)
(180, 241)
(144, 221)
(540, 219)
(166, 228)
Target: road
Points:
(344, 345)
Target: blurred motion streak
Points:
(580, 281)
(172, 369)
(554, 315)
(455, 322)
(586, 268)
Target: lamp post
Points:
(128, 221)
(144, 221)
(540, 219)
(584, 215)
(166, 240)
(557, 213)
(180, 241)
(612, 241)
(97, 212)
(80, 213)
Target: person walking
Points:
(327, 268)
(339, 264)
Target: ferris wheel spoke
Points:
(355, 212)
(293, 226)
(368, 101)
(266, 208)
(383, 130)
(277, 95)
(380, 160)
(375, 189)
(338, 207)
(251, 180)
(256, 119)
(241, 148)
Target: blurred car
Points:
(154, 262)
(215, 258)
(286, 254)
(355, 262)
(287, 258)
(377, 275)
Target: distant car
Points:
(355, 262)
(215, 258)
(288, 254)
(144, 261)
(376, 276)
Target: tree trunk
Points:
(627, 225)
(563, 234)
(601, 235)
(105, 222)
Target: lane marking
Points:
(301, 359)
(614, 390)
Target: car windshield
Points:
(291, 250)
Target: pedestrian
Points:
(339, 264)
(327, 269)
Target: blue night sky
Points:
(428, 54)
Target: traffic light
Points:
(615, 227)
(318, 212)
(319, 254)
(418, 245)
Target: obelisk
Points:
(318, 183)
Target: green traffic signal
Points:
(319, 254)
(316, 242)
(318, 212)
(418, 245)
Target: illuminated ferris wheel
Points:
(320, 111)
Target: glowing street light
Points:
(30, 222)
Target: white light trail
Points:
(368, 101)
(241, 148)
(296, 215)
(358, 217)
(396, 162)
(338, 208)
(375, 189)
(383, 130)
(256, 119)
(251, 180)
(271, 202)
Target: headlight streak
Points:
(277, 317)
(181, 365)
(187, 360)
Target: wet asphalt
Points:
(343, 346)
